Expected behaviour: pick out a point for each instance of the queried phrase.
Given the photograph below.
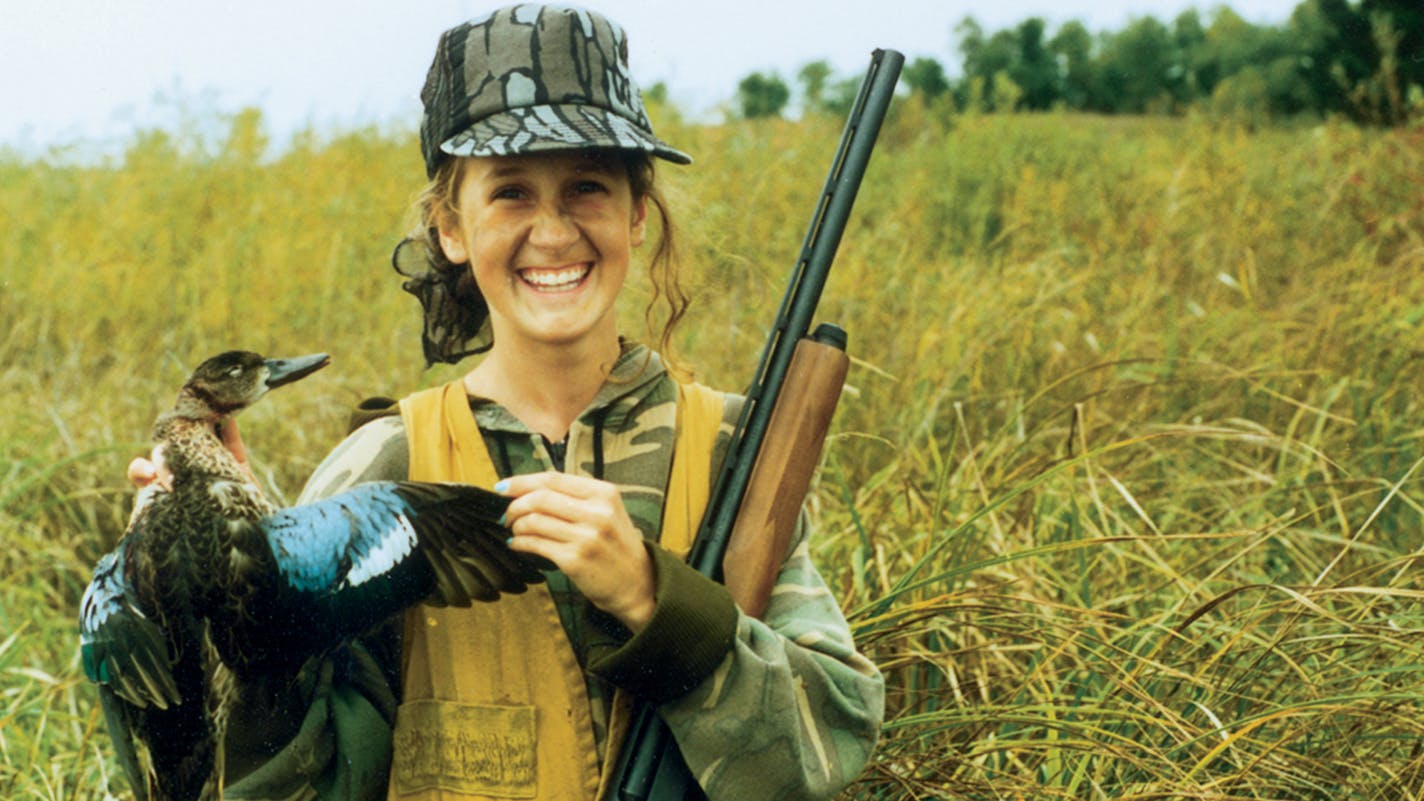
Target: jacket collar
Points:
(636, 372)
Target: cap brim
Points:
(551, 128)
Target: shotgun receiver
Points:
(757, 498)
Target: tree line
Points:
(1360, 59)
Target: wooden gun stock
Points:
(773, 452)
(781, 477)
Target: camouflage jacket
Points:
(781, 709)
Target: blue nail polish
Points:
(501, 485)
(503, 518)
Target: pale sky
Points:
(87, 72)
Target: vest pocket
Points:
(472, 749)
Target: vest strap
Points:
(478, 682)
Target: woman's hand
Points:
(152, 470)
(146, 471)
(580, 524)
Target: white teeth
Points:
(555, 279)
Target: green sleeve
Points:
(342, 751)
(691, 632)
(793, 710)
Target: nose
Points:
(553, 228)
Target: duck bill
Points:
(285, 371)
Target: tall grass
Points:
(1124, 494)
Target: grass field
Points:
(1125, 494)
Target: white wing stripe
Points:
(395, 545)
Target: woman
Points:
(539, 154)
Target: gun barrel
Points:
(798, 306)
(649, 764)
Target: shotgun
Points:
(751, 514)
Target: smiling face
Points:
(548, 238)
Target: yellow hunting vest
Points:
(494, 705)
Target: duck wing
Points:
(125, 653)
(121, 648)
(349, 561)
(117, 713)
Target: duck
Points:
(215, 595)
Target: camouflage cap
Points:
(533, 78)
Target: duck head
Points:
(230, 382)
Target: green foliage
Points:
(813, 78)
(1243, 97)
(1123, 495)
(762, 95)
(1072, 46)
(926, 78)
(1357, 58)
(1035, 70)
(657, 94)
(822, 93)
(1381, 97)
(987, 65)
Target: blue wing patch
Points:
(342, 541)
(377, 548)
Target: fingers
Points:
(552, 511)
(571, 485)
(142, 472)
(581, 525)
(567, 509)
(541, 533)
(145, 471)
